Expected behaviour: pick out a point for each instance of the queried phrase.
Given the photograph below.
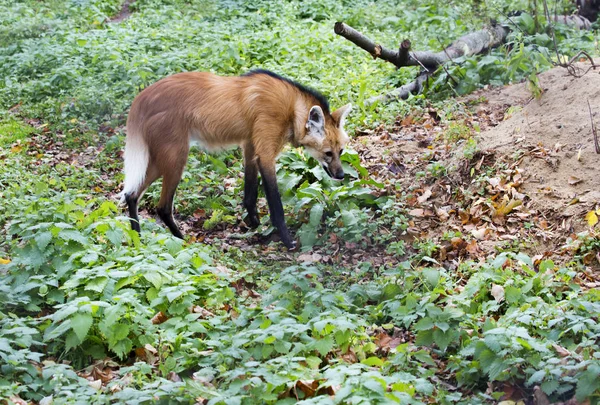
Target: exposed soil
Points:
(554, 133)
(528, 187)
(123, 14)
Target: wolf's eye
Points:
(330, 153)
(341, 151)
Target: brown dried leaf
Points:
(173, 376)
(309, 258)
(197, 309)
(96, 384)
(308, 387)
(417, 212)
(479, 233)
(562, 352)
(472, 248)
(150, 348)
(159, 318)
(425, 196)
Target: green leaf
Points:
(80, 323)
(443, 339)
(70, 234)
(424, 338)
(308, 235)
(324, 345)
(316, 214)
(218, 164)
(550, 386)
(512, 294)
(424, 324)
(120, 331)
(97, 284)
(588, 382)
(424, 357)
(546, 265)
(349, 218)
(43, 239)
(154, 278)
(373, 362)
(432, 276)
(313, 362)
(126, 281)
(90, 257)
(536, 377)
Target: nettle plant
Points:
(314, 195)
(99, 283)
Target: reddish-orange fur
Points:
(258, 112)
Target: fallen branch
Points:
(467, 45)
(402, 93)
(576, 21)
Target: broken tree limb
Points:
(575, 21)
(467, 45)
(402, 93)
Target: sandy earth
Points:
(555, 134)
(536, 158)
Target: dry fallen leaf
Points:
(308, 387)
(309, 258)
(479, 233)
(159, 318)
(96, 384)
(4, 261)
(591, 218)
(498, 292)
(417, 212)
(150, 348)
(562, 352)
(574, 180)
(425, 196)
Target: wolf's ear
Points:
(315, 124)
(340, 114)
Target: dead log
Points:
(576, 21)
(467, 45)
(402, 93)
(470, 44)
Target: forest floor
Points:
(457, 263)
(506, 168)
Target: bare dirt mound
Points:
(526, 186)
(553, 133)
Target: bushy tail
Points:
(136, 164)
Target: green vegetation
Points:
(157, 320)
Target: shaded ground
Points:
(124, 13)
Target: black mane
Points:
(320, 98)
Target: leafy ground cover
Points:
(373, 310)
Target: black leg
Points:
(251, 192)
(166, 214)
(165, 205)
(275, 206)
(132, 205)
